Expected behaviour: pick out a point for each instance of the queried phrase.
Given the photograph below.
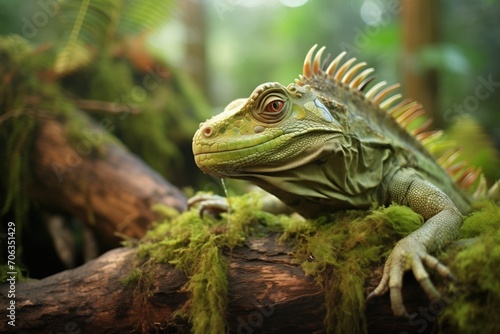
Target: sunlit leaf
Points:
(90, 25)
(87, 24)
(75, 55)
(140, 16)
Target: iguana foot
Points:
(409, 254)
(212, 204)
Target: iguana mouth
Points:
(280, 153)
(242, 144)
(233, 152)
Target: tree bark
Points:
(268, 293)
(98, 181)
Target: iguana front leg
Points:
(443, 221)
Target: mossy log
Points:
(268, 293)
(90, 175)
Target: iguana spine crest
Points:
(408, 113)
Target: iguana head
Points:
(264, 133)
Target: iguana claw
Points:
(409, 254)
(213, 204)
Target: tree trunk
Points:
(420, 29)
(268, 293)
(98, 181)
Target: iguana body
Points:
(322, 144)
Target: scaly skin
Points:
(322, 145)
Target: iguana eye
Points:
(271, 107)
(275, 106)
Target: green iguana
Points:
(322, 144)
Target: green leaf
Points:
(141, 16)
(91, 25)
(74, 56)
(87, 25)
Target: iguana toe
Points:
(409, 254)
(207, 203)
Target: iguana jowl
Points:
(322, 144)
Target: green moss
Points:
(483, 221)
(133, 278)
(339, 251)
(195, 245)
(208, 288)
(20, 273)
(476, 297)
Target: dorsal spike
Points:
(431, 136)
(346, 79)
(369, 94)
(365, 83)
(414, 115)
(340, 72)
(422, 136)
(408, 112)
(355, 83)
(420, 130)
(333, 65)
(384, 105)
(437, 145)
(455, 168)
(445, 156)
(325, 61)
(399, 106)
(317, 60)
(494, 191)
(401, 118)
(468, 177)
(449, 157)
(306, 71)
(380, 96)
(396, 112)
(482, 187)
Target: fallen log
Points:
(98, 181)
(268, 293)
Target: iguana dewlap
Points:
(322, 144)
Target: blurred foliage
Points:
(58, 56)
(99, 50)
(14, 135)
